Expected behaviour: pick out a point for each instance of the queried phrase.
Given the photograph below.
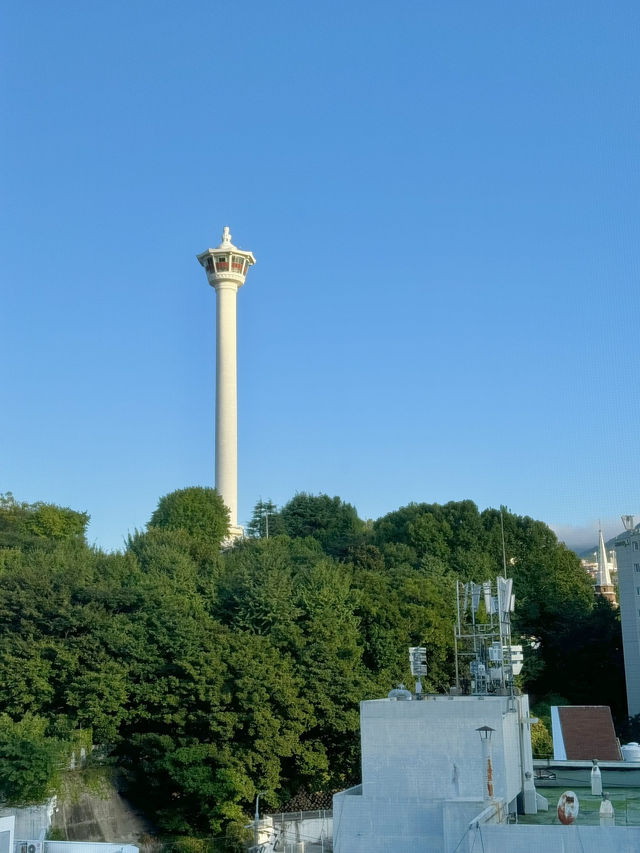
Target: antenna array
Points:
(418, 662)
(486, 662)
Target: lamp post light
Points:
(485, 733)
(256, 823)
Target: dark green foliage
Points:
(30, 762)
(26, 525)
(583, 657)
(628, 729)
(265, 521)
(207, 676)
(197, 510)
(332, 522)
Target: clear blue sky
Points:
(444, 204)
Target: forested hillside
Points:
(206, 676)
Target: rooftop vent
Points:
(400, 694)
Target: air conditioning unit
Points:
(32, 847)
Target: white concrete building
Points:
(429, 783)
(628, 558)
(427, 772)
(226, 268)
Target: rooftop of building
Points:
(625, 801)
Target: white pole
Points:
(596, 779)
(227, 399)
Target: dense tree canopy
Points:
(207, 676)
(199, 511)
(24, 524)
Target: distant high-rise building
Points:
(627, 547)
(226, 268)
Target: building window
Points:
(209, 265)
(237, 263)
(635, 545)
(636, 567)
(222, 263)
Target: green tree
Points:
(197, 509)
(331, 662)
(31, 525)
(332, 522)
(541, 741)
(257, 590)
(30, 762)
(215, 674)
(265, 521)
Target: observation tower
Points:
(226, 268)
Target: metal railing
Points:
(318, 814)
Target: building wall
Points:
(628, 558)
(547, 839)
(372, 825)
(424, 774)
(31, 822)
(431, 749)
(7, 825)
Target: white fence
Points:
(304, 832)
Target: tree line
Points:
(205, 675)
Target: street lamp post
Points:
(256, 823)
(485, 733)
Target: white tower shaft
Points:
(226, 440)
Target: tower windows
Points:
(237, 263)
(635, 545)
(222, 263)
(636, 567)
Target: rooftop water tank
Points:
(631, 751)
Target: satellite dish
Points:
(568, 808)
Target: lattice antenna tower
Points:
(486, 660)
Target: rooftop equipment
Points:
(400, 694)
(418, 662)
(486, 661)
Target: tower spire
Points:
(604, 585)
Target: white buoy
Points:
(596, 779)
